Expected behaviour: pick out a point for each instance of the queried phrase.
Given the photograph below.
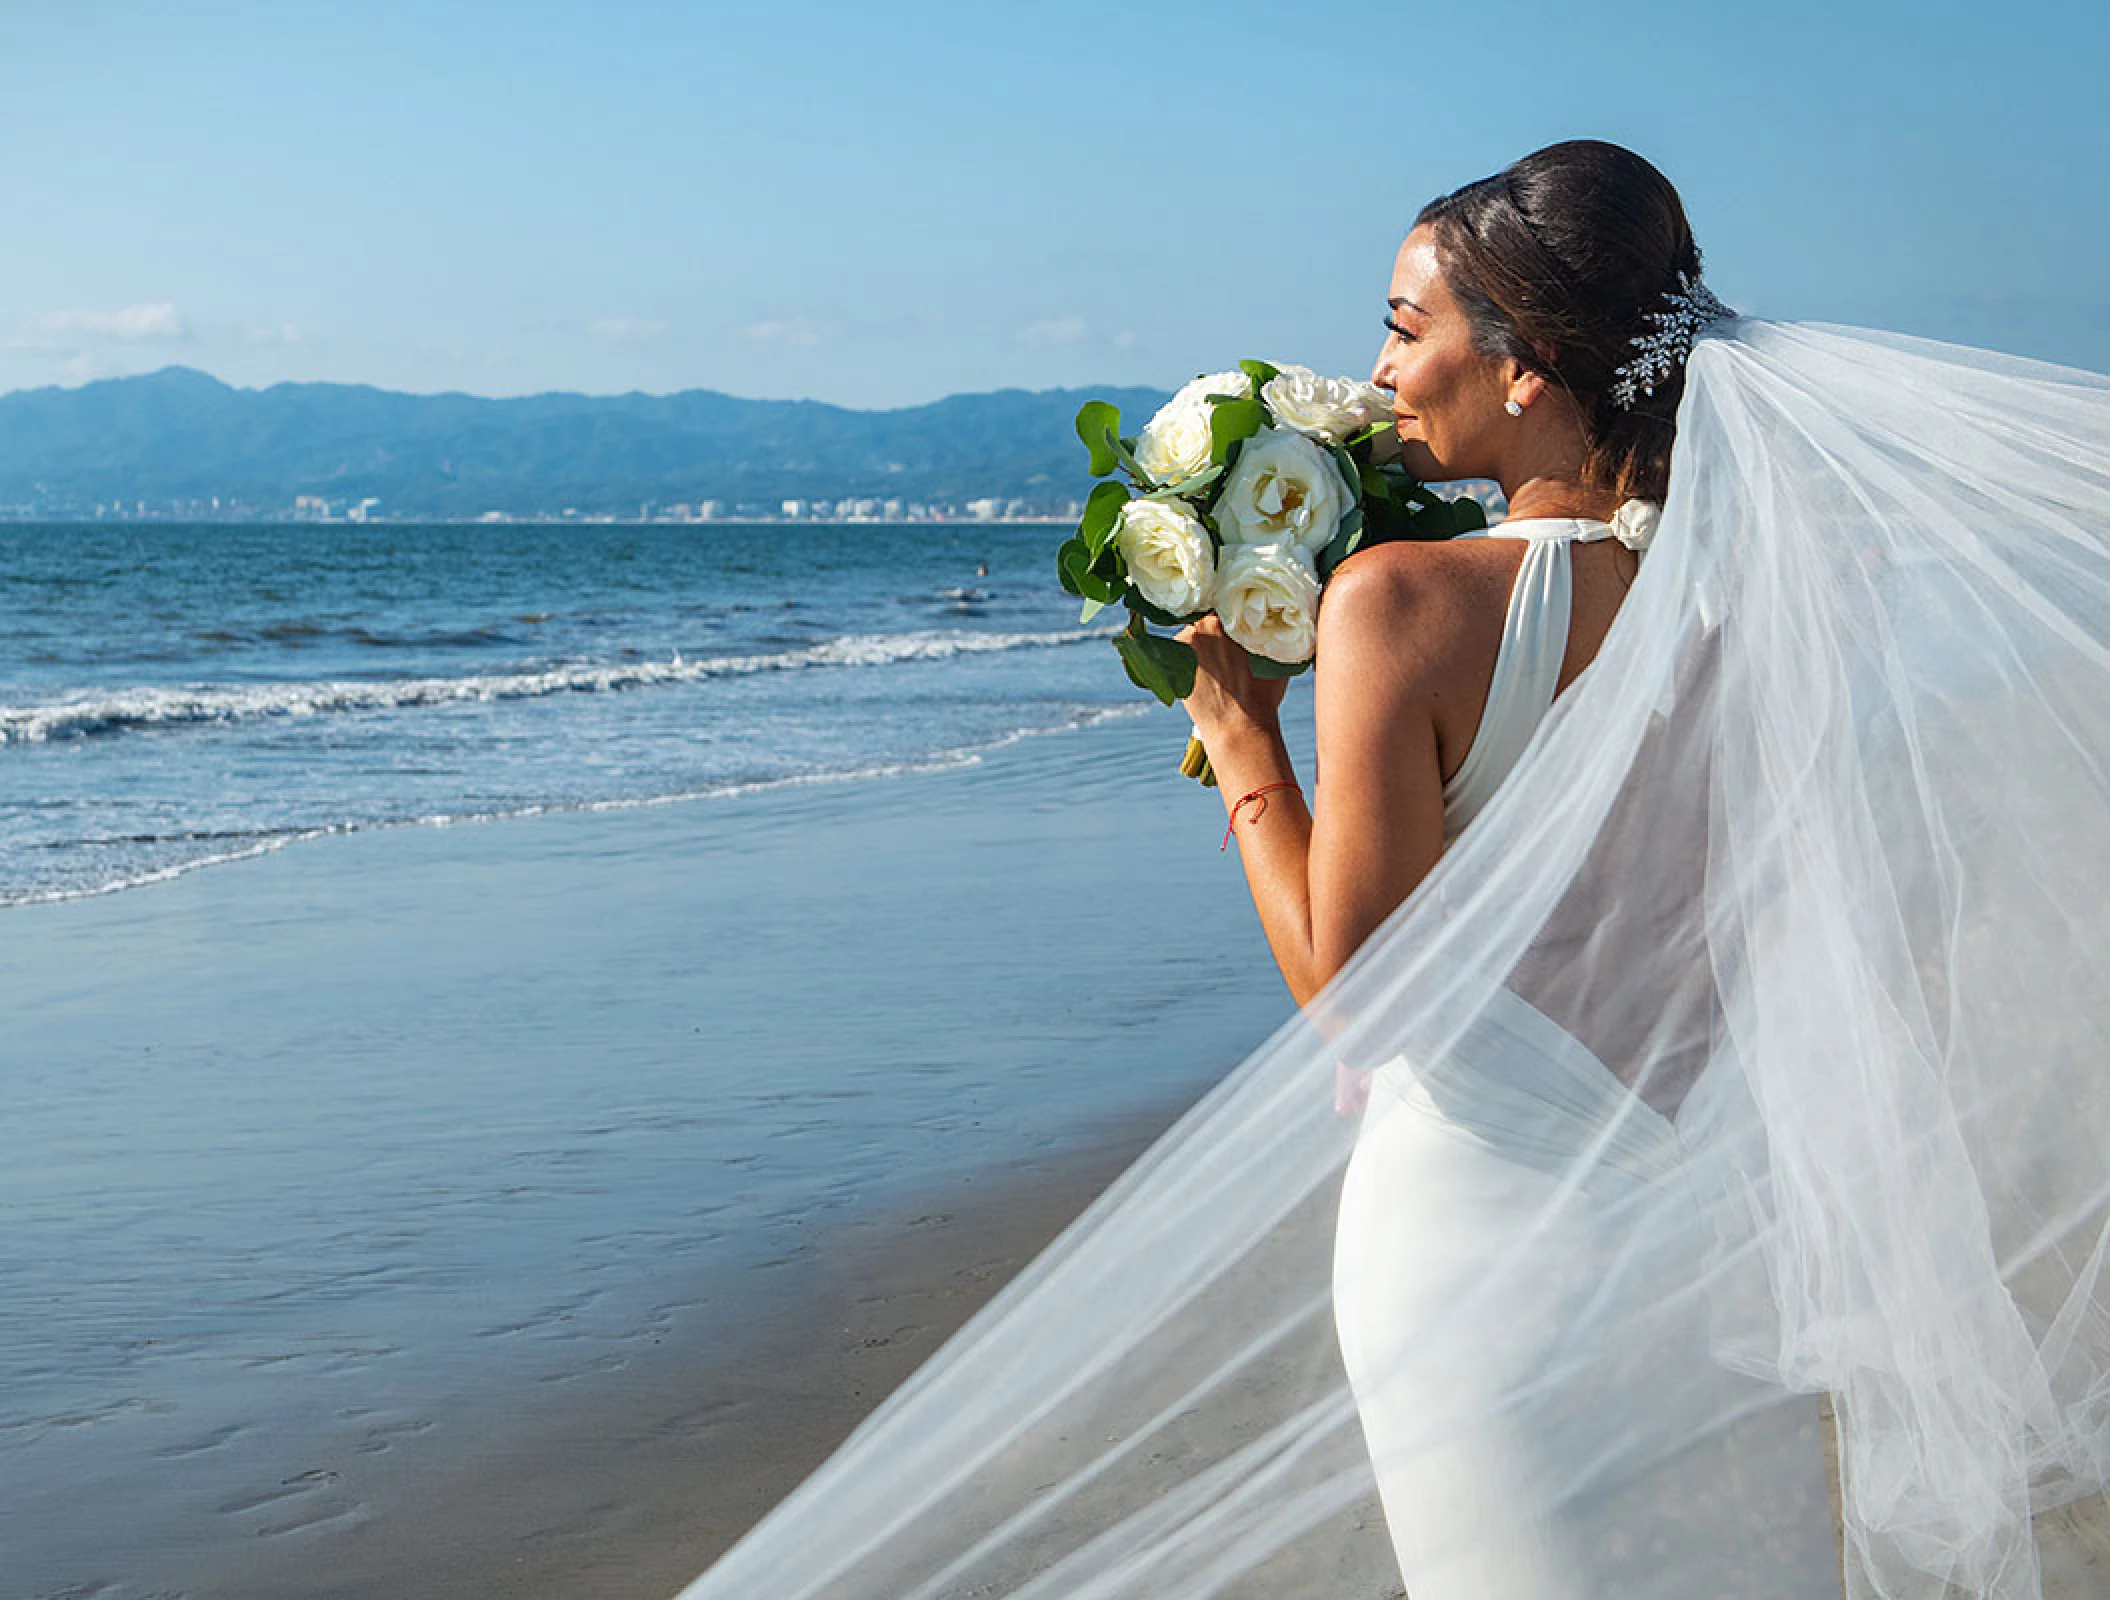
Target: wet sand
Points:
(632, 1393)
(626, 1485)
(525, 1207)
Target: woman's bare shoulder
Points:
(1441, 591)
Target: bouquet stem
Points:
(1195, 764)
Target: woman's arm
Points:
(1323, 876)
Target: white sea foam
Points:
(264, 843)
(124, 710)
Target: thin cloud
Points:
(288, 334)
(132, 324)
(796, 332)
(627, 330)
(1055, 330)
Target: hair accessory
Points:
(1512, 408)
(1688, 308)
(1255, 794)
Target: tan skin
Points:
(1408, 635)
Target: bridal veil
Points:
(1748, 1060)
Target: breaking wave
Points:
(129, 710)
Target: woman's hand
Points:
(1229, 700)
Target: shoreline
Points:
(449, 1206)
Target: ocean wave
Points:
(247, 845)
(131, 710)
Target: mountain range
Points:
(179, 438)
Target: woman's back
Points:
(1529, 605)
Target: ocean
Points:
(177, 696)
(446, 965)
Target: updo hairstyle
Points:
(1557, 262)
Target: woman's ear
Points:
(1523, 384)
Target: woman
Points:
(1748, 1047)
(1516, 310)
(1511, 308)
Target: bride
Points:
(1748, 1047)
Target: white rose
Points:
(1174, 445)
(1282, 489)
(1170, 559)
(1330, 410)
(1268, 598)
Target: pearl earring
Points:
(1512, 408)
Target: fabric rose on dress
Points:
(1330, 410)
(1268, 598)
(1170, 559)
(1634, 524)
(1175, 444)
(1282, 489)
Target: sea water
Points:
(173, 696)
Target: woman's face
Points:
(1446, 396)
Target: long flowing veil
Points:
(1751, 1061)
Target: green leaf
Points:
(1126, 450)
(1099, 426)
(1187, 488)
(1092, 608)
(1351, 475)
(1078, 577)
(1438, 518)
(1074, 550)
(1267, 667)
(1346, 540)
(1158, 666)
(1231, 422)
(1261, 372)
(1102, 512)
(1150, 613)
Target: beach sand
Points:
(929, 1063)
(524, 1207)
(628, 1484)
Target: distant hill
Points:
(180, 437)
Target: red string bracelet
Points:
(1257, 794)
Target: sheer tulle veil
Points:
(1811, 869)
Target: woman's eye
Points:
(1398, 332)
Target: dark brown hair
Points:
(1557, 262)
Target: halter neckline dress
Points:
(1528, 668)
(1456, 1156)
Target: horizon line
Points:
(186, 370)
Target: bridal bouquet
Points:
(1242, 495)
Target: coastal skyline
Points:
(879, 209)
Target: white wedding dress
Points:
(1751, 1047)
(1470, 1486)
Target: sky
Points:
(877, 204)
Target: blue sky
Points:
(878, 204)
